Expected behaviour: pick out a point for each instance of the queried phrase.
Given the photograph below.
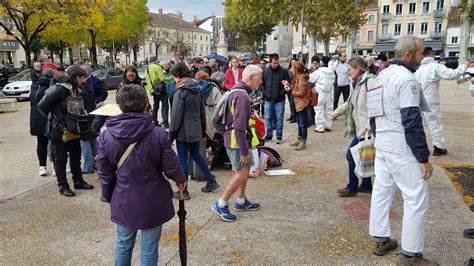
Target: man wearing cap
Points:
(315, 61)
(65, 144)
(198, 63)
(383, 63)
(155, 84)
(429, 75)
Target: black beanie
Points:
(315, 58)
(382, 57)
(75, 71)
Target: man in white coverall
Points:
(402, 155)
(428, 75)
(324, 79)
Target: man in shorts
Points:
(237, 142)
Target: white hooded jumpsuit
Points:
(428, 75)
(324, 79)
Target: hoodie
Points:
(139, 194)
(324, 79)
(188, 118)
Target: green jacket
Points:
(154, 75)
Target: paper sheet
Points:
(107, 110)
(375, 102)
(279, 172)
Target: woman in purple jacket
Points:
(140, 197)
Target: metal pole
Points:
(302, 32)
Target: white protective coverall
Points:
(324, 79)
(397, 162)
(428, 75)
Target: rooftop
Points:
(173, 21)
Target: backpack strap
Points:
(125, 155)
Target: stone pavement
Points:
(302, 221)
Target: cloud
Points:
(189, 8)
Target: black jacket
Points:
(55, 101)
(188, 118)
(35, 76)
(4, 77)
(273, 90)
(37, 120)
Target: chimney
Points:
(195, 20)
(160, 13)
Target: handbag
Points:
(364, 157)
(159, 88)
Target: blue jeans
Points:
(274, 113)
(301, 119)
(89, 151)
(192, 148)
(126, 242)
(291, 101)
(353, 180)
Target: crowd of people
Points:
(133, 155)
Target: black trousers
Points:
(345, 90)
(42, 149)
(163, 98)
(61, 151)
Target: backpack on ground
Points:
(218, 116)
(274, 158)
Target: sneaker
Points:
(383, 248)
(186, 195)
(210, 186)
(247, 206)
(364, 190)
(469, 233)
(224, 213)
(439, 151)
(418, 261)
(344, 193)
(292, 121)
(469, 262)
(43, 171)
(268, 138)
(279, 141)
(318, 131)
(327, 129)
(199, 179)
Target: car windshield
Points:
(100, 73)
(25, 75)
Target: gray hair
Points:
(406, 44)
(49, 72)
(132, 98)
(249, 71)
(87, 68)
(220, 77)
(357, 62)
(369, 58)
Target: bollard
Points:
(8, 105)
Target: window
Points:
(370, 36)
(195, 37)
(358, 36)
(438, 26)
(8, 22)
(201, 37)
(439, 4)
(399, 9)
(426, 7)
(384, 29)
(201, 49)
(206, 38)
(454, 39)
(424, 28)
(386, 9)
(371, 19)
(151, 48)
(398, 29)
(167, 49)
(412, 9)
(410, 28)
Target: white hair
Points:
(369, 58)
(406, 44)
(249, 71)
(87, 68)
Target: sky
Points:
(200, 8)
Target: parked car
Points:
(20, 88)
(141, 73)
(20, 75)
(111, 77)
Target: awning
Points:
(384, 47)
(436, 45)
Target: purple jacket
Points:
(140, 197)
(237, 116)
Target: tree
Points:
(158, 37)
(180, 43)
(30, 17)
(254, 18)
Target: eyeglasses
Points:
(131, 75)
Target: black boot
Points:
(66, 191)
(210, 186)
(81, 184)
(292, 117)
(438, 152)
(469, 233)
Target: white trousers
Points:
(403, 171)
(323, 111)
(433, 120)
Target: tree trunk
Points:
(156, 50)
(71, 56)
(28, 56)
(93, 48)
(326, 46)
(61, 52)
(135, 52)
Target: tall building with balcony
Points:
(426, 19)
(367, 35)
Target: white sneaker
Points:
(43, 171)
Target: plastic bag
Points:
(255, 170)
(364, 157)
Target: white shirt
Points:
(324, 79)
(430, 73)
(342, 71)
(400, 90)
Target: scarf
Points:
(181, 82)
(404, 64)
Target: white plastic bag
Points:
(255, 170)
(364, 157)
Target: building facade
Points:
(367, 35)
(11, 52)
(426, 19)
(280, 41)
